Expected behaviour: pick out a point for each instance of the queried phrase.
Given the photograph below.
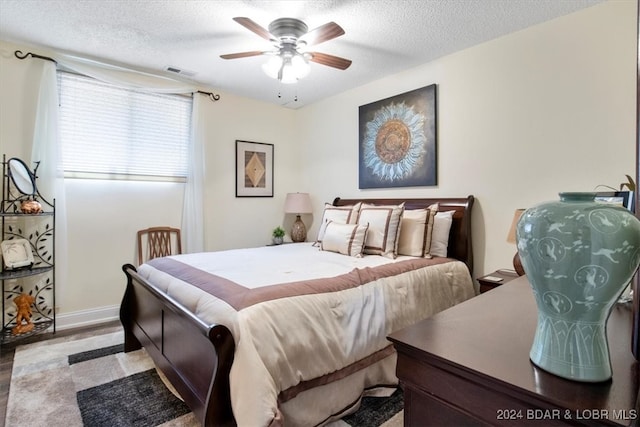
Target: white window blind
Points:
(115, 133)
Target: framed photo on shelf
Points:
(254, 169)
(619, 198)
(16, 253)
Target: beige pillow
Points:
(440, 237)
(384, 228)
(341, 214)
(346, 239)
(416, 227)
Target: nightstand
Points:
(495, 279)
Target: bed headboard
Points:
(460, 236)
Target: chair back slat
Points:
(157, 242)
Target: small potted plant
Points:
(630, 184)
(278, 235)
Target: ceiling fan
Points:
(289, 61)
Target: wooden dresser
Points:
(469, 365)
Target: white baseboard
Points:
(91, 317)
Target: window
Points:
(110, 132)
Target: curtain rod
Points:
(18, 53)
(212, 96)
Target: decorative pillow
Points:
(384, 228)
(440, 236)
(416, 228)
(341, 214)
(346, 239)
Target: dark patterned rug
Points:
(91, 382)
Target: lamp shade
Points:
(298, 203)
(511, 237)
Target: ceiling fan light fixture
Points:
(272, 67)
(290, 36)
(288, 74)
(286, 68)
(300, 65)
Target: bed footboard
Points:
(194, 356)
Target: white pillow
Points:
(416, 227)
(440, 236)
(341, 214)
(346, 239)
(384, 228)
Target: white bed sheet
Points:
(286, 263)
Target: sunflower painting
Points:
(398, 140)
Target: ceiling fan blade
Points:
(325, 32)
(241, 54)
(252, 26)
(330, 60)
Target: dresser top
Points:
(489, 338)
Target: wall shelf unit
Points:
(28, 219)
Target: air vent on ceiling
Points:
(177, 70)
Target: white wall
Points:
(520, 118)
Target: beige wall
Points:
(103, 216)
(520, 118)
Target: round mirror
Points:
(21, 176)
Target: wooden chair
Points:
(158, 242)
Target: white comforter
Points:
(290, 345)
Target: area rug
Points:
(90, 381)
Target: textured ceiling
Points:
(382, 37)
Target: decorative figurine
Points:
(23, 302)
(31, 207)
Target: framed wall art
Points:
(16, 253)
(397, 140)
(254, 169)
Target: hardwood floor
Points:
(7, 352)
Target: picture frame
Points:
(254, 169)
(16, 253)
(397, 144)
(618, 198)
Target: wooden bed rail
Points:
(194, 356)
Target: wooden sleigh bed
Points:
(197, 356)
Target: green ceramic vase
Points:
(579, 255)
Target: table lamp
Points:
(298, 203)
(511, 238)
